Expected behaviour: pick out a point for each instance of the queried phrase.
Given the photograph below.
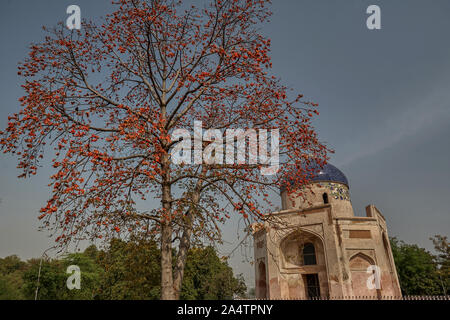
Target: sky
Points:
(384, 102)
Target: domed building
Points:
(316, 247)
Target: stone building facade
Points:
(316, 246)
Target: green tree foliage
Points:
(208, 277)
(91, 276)
(126, 270)
(132, 270)
(416, 269)
(11, 282)
(442, 247)
(52, 281)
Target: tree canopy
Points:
(419, 271)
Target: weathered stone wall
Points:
(338, 196)
(345, 246)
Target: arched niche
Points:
(358, 264)
(304, 264)
(302, 248)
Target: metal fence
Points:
(366, 298)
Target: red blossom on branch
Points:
(105, 99)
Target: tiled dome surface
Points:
(330, 173)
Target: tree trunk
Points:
(185, 241)
(185, 244)
(167, 290)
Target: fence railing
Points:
(365, 298)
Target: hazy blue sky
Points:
(384, 98)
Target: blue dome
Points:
(330, 173)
